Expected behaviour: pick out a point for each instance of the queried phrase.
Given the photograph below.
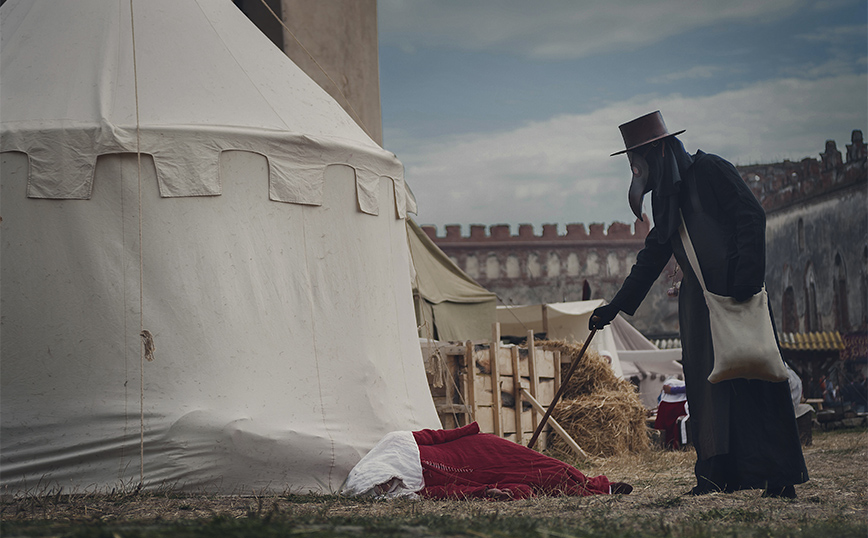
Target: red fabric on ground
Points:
(667, 414)
(464, 463)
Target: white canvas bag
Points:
(742, 335)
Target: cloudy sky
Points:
(506, 111)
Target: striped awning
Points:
(813, 341)
(667, 343)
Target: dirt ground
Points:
(837, 491)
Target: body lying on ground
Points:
(464, 463)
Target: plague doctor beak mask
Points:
(643, 138)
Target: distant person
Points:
(744, 431)
(670, 407)
(831, 396)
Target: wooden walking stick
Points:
(563, 386)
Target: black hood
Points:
(667, 166)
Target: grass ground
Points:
(833, 503)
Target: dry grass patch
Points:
(832, 503)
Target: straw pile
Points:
(601, 412)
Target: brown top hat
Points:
(644, 130)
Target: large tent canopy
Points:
(167, 172)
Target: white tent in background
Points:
(632, 354)
(259, 238)
(644, 362)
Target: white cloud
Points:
(834, 34)
(559, 170)
(559, 29)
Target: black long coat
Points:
(744, 431)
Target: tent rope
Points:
(508, 309)
(147, 346)
(356, 115)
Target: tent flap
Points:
(461, 309)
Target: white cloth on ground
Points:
(391, 469)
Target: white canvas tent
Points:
(632, 354)
(169, 170)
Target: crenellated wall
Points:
(828, 197)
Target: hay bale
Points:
(601, 412)
(606, 423)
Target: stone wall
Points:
(817, 250)
(816, 238)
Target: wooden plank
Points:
(451, 349)
(555, 426)
(556, 359)
(485, 421)
(450, 375)
(470, 382)
(495, 378)
(484, 397)
(516, 391)
(545, 391)
(545, 364)
(534, 380)
(504, 360)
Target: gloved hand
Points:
(743, 293)
(603, 316)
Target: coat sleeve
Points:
(649, 264)
(738, 203)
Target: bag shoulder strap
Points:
(688, 249)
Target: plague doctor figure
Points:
(744, 431)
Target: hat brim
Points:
(647, 142)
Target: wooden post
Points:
(534, 379)
(516, 391)
(450, 376)
(545, 320)
(557, 360)
(470, 390)
(496, 404)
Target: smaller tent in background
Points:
(450, 306)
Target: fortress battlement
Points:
(500, 234)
